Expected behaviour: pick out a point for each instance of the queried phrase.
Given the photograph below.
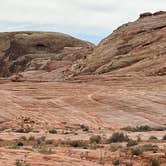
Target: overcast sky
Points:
(87, 19)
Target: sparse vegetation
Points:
(95, 139)
(19, 144)
(84, 127)
(114, 148)
(49, 142)
(76, 143)
(143, 128)
(131, 143)
(118, 137)
(136, 151)
(150, 147)
(152, 138)
(45, 150)
(31, 138)
(21, 163)
(53, 131)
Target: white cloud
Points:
(91, 17)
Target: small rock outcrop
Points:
(136, 47)
(39, 51)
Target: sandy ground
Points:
(105, 104)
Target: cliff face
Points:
(136, 47)
(33, 51)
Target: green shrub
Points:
(118, 137)
(84, 127)
(143, 128)
(95, 139)
(76, 143)
(50, 141)
(150, 147)
(131, 143)
(31, 138)
(136, 151)
(53, 131)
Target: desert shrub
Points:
(116, 162)
(50, 141)
(136, 151)
(78, 143)
(45, 150)
(52, 131)
(118, 137)
(164, 137)
(150, 147)
(93, 146)
(40, 140)
(31, 138)
(84, 127)
(138, 128)
(143, 128)
(131, 143)
(114, 148)
(95, 139)
(152, 138)
(19, 144)
(155, 162)
(21, 163)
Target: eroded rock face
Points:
(136, 47)
(32, 51)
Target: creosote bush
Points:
(31, 138)
(136, 151)
(143, 128)
(118, 137)
(24, 130)
(76, 143)
(21, 163)
(150, 147)
(52, 131)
